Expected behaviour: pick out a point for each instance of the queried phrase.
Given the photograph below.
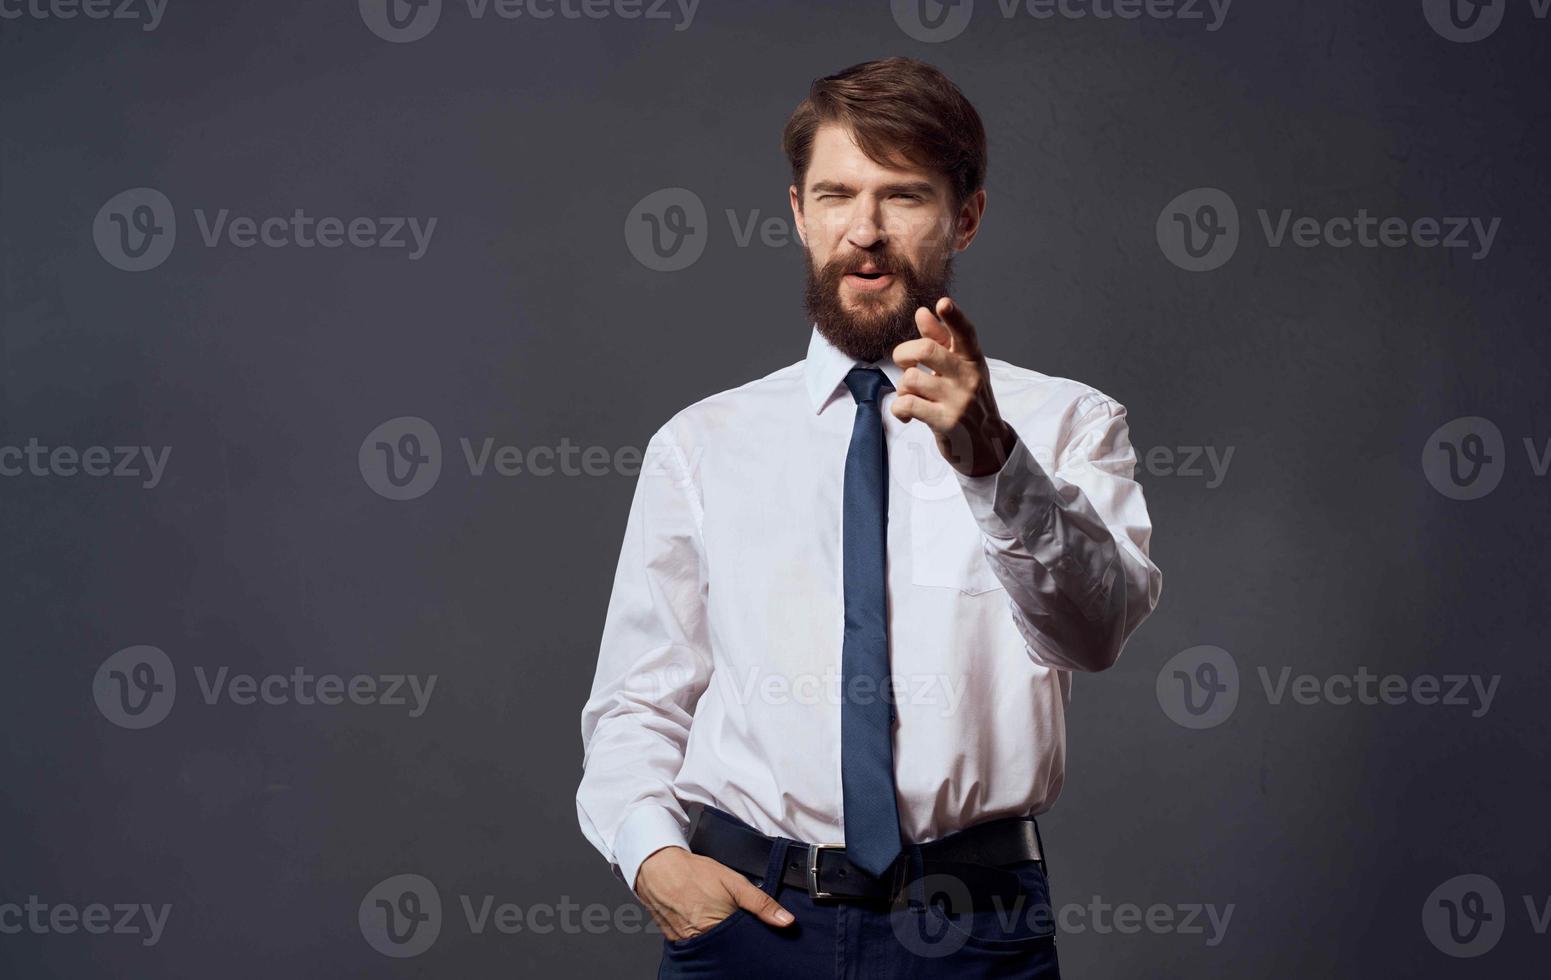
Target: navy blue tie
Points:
(866, 718)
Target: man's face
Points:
(879, 240)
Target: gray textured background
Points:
(529, 320)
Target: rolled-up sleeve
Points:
(1071, 546)
(653, 664)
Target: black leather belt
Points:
(973, 857)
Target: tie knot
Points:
(867, 384)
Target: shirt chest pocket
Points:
(947, 549)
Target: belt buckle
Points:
(813, 869)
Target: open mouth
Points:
(869, 281)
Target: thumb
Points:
(765, 908)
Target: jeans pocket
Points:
(1025, 920)
(716, 931)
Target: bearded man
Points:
(852, 594)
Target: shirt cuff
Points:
(647, 830)
(1016, 502)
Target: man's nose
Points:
(866, 230)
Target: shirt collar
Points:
(825, 370)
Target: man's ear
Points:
(967, 225)
(797, 220)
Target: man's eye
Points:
(908, 197)
(831, 197)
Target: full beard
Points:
(876, 323)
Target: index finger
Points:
(965, 341)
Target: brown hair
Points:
(894, 107)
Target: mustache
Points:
(831, 273)
(879, 262)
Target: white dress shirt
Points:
(718, 677)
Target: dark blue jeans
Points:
(921, 936)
